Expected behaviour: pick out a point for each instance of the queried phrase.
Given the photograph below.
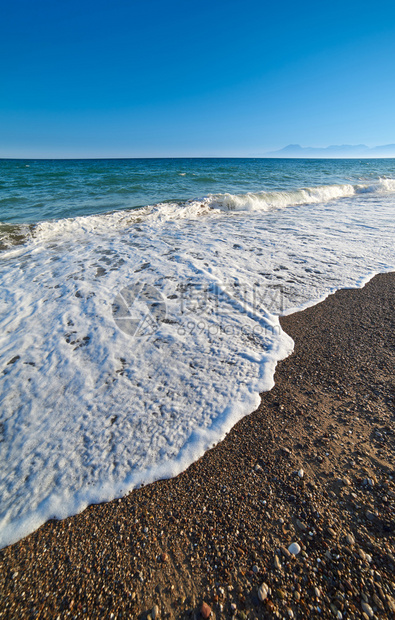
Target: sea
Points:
(140, 304)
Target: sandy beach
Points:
(312, 470)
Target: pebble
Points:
(155, 612)
(297, 595)
(294, 548)
(205, 610)
(285, 552)
(255, 569)
(300, 473)
(317, 592)
(277, 563)
(367, 609)
(338, 614)
(302, 526)
(377, 601)
(350, 540)
(263, 591)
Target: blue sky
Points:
(123, 78)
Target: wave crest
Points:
(267, 201)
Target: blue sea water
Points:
(140, 304)
(36, 190)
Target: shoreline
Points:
(214, 532)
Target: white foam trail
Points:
(120, 220)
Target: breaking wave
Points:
(17, 234)
(267, 201)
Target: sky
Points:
(171, 78)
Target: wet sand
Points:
(314, 465)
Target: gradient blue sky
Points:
(210, 78)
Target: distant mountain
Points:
(345, 150)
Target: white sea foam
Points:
(133, 341)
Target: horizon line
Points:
(117, 158)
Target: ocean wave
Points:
(382, 186)
(268, 201)
(17, 234)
